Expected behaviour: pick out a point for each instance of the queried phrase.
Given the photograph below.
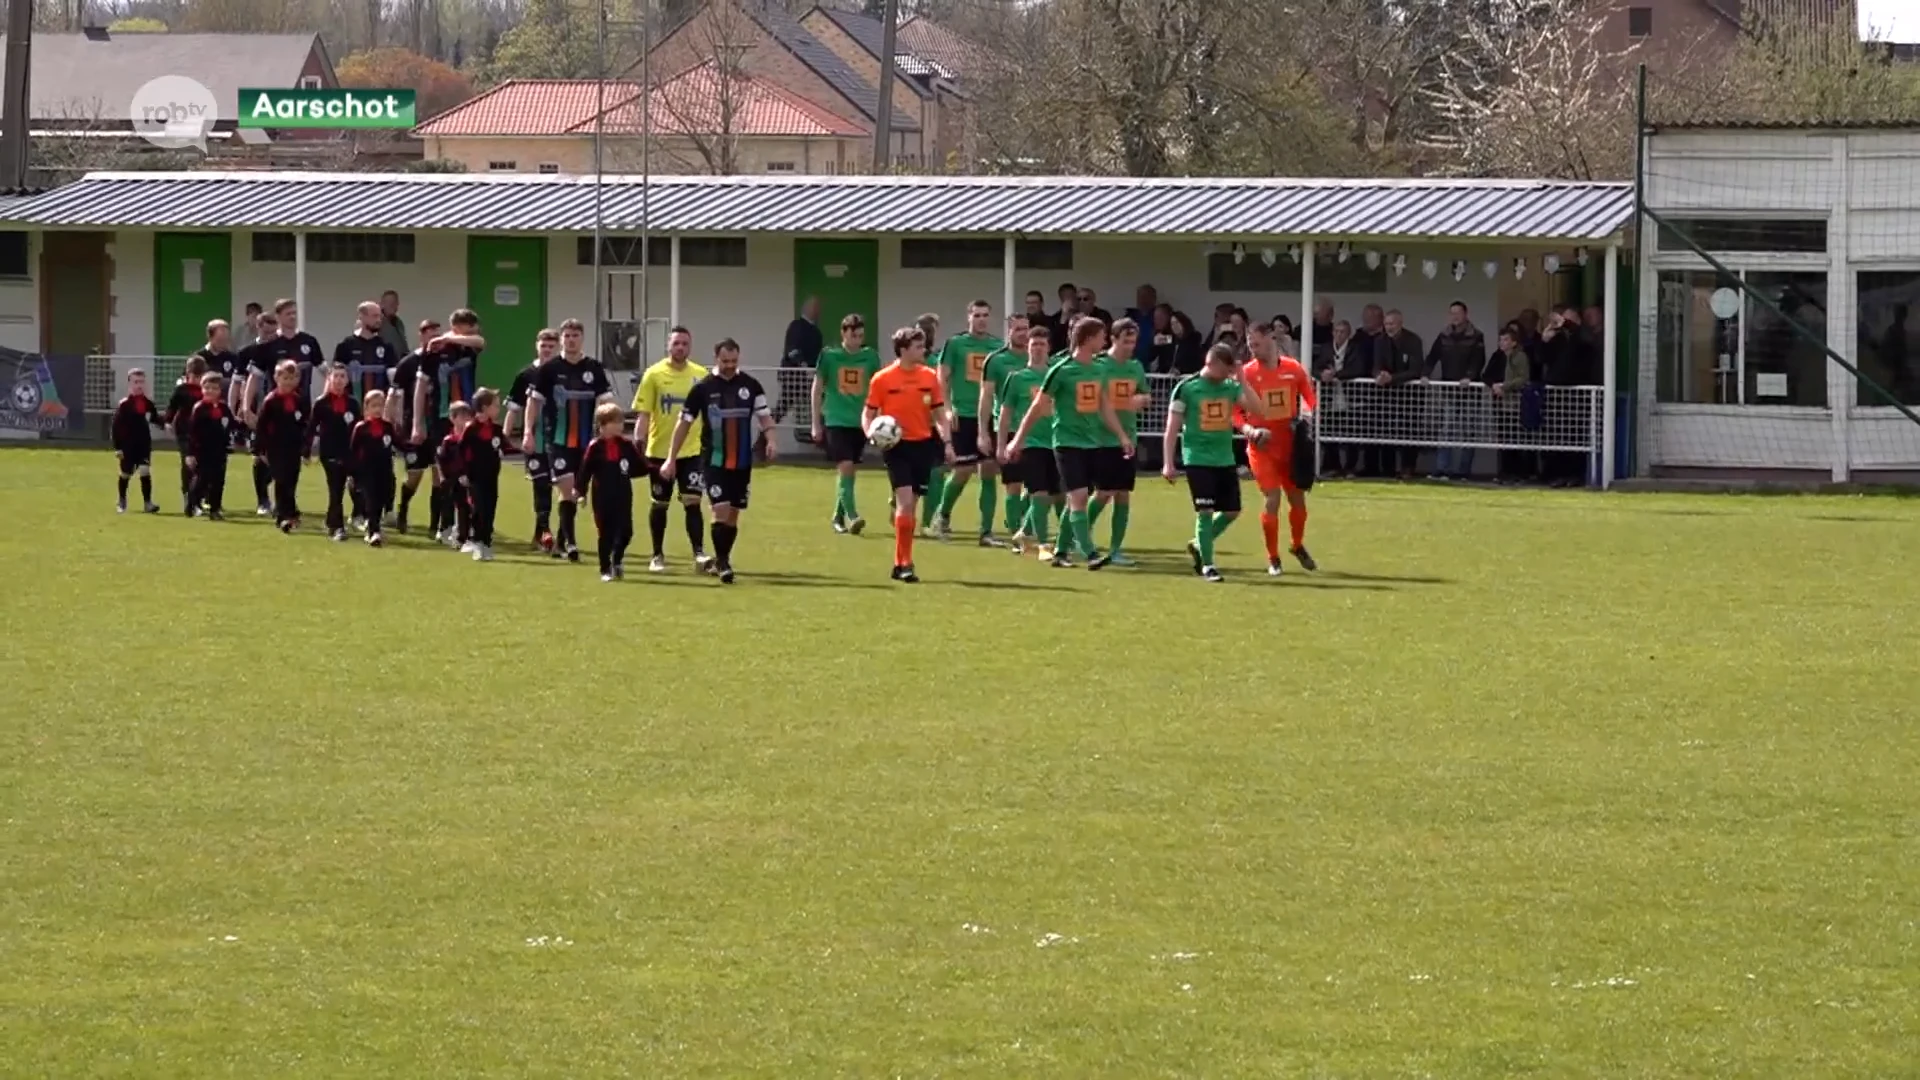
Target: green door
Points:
(507, 288)
(192, 286)
(845, 276)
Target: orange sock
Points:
(1297, 520)
(903, 540)
(1270, 528)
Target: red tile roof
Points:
(529, 107)
(690, 103)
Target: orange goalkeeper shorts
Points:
(1272, 469)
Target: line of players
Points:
(1073, 441)
(1057, 430)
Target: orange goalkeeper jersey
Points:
(1281, 388)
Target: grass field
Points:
(1523, 783)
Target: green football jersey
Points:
(844, 377)
(1019, 390)
(1000, 365)
(1125, 378)
(964, 359)
(1204, 410)
(1076, 389)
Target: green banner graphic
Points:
(338, 108)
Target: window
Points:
(781, 167)
(503, 166)
(1744, 338)
(549, 168)
(309, 82)
(1330, 275)
(336, 247)
(694, 251)
(13, 255)
(1639, 22)
(1889, 343)
(1744, 235)
(984, 254)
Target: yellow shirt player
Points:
(657, 402)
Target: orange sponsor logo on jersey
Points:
(852, 380)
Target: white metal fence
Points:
(1359, 419)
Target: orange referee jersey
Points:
(1281, 388)
(909, 396)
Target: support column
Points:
(673, 282)
(1006, 281)
(1610, 365)
(1308, 264)
(300, 289)
(1842, 314)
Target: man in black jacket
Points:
(1339, 362)
(1458, 357)
(1399, 366)
(801, 352)
(1567, 353)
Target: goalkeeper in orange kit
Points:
(1279, 444)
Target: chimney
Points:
(97, 33)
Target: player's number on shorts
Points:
(852, 380)
(1086, 397)
(976, 365)
(1280, 403)
(1215, 415)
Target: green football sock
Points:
(1016, 507)
(950, 494)
(935, 490)
(1082, 535)
(1220, 522)
(989, 495)
(1121, 511)
(1094, 509)
(1203, 538)
(1037, 515)
(846, 498)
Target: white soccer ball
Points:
(884, 432)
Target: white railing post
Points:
(1609, 359)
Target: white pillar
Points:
(1305, 339)
(300, 289)
(1610, 364)
(673, 282)
(1006, 280)
(1842, 313)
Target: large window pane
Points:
(1889, 343)
(1699, 352)
(1786, 357)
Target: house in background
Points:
(760, 39)
(1679, 31)
(700, 123)
(923, 87)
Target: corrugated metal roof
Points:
(917, 205)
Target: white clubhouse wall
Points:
(753, 304)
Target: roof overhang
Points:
(1489, 211)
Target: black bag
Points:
(1306, 461)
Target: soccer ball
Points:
(884, 432)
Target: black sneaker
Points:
(1305, 560)
(1210, 574)
(1193, 552)
(726, 575)
(400, 525)
(287, 527)
(215, 515)
(905, 574)
(619, 571)
(573, 554)
(1100, 561)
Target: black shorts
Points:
(966, 441)
(846, 444)
(727, 486)
(1215, 488)
(420, 458)
(1076, 465)
(911, 464)
(1039, 471)
(563, 461)
(1010, 471)
(135, 457)
(538, 467)
(1112, 470)
(688, 476)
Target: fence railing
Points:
(1357, 417)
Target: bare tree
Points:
(695, 113)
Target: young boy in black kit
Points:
(480, 445)
(331, 429)
(179, 414)
(370, 460)
(209, 439)
(451, 506)
(133, 422)
(280, 435)
(605, 480)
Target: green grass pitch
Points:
(1522, 784)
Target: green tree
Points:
(554, 39)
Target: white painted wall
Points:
(1864, 184)
(20, 304)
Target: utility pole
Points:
(601, 287)
(14, 118)
(883, 121)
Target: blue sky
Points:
(1891, 20)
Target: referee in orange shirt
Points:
(909, 391)
(1283, 386)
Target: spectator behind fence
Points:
(1189, 348)
(1365, 401)
(1088, 306)
(1288, 340)
(802, 350)
(1509, 371)
(1063, 320)
(1237, 322)
(1565, 352)
(1161, 345)
(1146, 300)
(1398, 366)
(1458, 356)
(1322, 325)
(1037, 309)
(1338, 361)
